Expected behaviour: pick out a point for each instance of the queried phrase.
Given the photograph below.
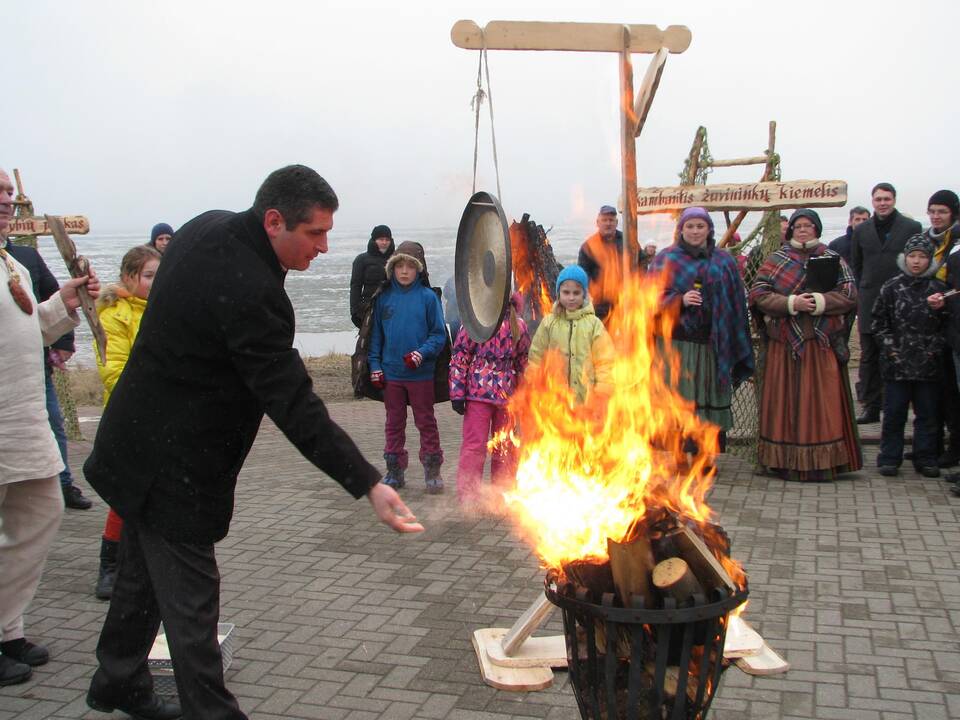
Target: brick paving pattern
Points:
(855, 583)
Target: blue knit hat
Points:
(158, 230)
(575, 273)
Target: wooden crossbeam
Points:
(572, 36)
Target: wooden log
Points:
(705, 565)
(628, 158)
(734, 162)
(731, 229)
(693, 159)
(673, 577)
(631, 564)
(78, 266)
(572, 36)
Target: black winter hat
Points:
(380, 231)
(949, 199)
(809, 215)
(919, 242)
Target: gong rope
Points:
(484, 69)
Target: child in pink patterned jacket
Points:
(483, 376)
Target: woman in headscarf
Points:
(712, 333)
(807, 429)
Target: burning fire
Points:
(525, 277)
(588, 472)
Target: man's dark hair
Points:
(294, 191)
(859, 210)
(884, 186)
(784, 218)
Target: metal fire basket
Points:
(638, 663)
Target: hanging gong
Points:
(482, 266)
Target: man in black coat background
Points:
(842, 245)
(874, 250)
(214, 353)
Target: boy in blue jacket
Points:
(407, 336)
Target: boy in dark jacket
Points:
(909, 331)
(407, 336)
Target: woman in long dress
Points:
(807, 429)
(712, 333)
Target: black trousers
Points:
(871, 384)
(178, 583)
(949, 416)
(898, 396)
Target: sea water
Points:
(321, 294)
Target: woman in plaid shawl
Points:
(807, 430)
(712, 333)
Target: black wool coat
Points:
(368, 273)
(875, 261)
(214, 353)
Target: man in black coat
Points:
(214, 353)
(842, 245)
(44, 286)
(876, 245)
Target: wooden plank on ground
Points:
(549, 651)
(504, 678)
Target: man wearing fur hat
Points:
(908, 330)
(876, 245)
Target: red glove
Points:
(376, 379)
(412, 360)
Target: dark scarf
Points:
(724, 297)
(783, 273)
(884, 225)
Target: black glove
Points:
(459, 406)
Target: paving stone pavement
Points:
(854, 582)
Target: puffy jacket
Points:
(120, 314)
(489, 371)
(406, 319)
(909, 332)
(583, 342)
(366, 276)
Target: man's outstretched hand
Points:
(390, 509)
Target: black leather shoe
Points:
(955, 490)
(929, 471)
(74, 499)
(13, 672)
(154, 708)
(889, 470)
(948, 458)
(26, 652)
(868, 417)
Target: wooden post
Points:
(693, 160)
(628, 158)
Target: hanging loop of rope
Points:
(483, 71)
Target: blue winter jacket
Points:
(406, 319)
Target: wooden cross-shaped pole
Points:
(595, 37)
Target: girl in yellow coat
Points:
(574, 330)
(120, 308)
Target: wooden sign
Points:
(745, 196)
(582, 37)
(74, 224)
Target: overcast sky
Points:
(134, 112)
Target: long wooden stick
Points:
(78, 266)
(628, 158)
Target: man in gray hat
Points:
(601, 257)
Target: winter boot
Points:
(431, 473)
(394, 476)
(107, 575)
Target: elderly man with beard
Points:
(31, 502)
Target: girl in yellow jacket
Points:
(120, 308)
(574, 330)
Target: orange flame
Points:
(588, 472)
